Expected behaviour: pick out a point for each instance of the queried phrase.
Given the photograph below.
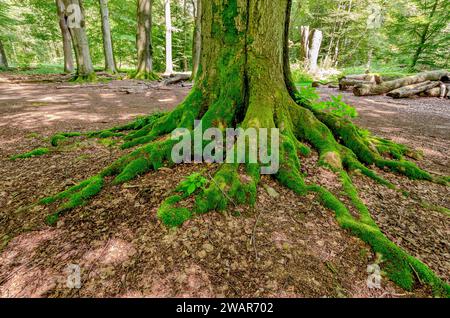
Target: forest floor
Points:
(285, 246)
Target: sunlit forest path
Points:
(269, 250)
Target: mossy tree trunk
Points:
(65, 34)
(244, 80)
(74, 15)
(144, 40)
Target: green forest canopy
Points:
(410, 34)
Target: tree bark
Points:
(110, 63)
(3, 59)
(304, 44)
(411, 90)
(385, 87)
(169, 58)
(313, 54)
(74, 15)
(197, 41)
(144, 40)
(67, 40)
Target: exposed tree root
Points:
(149, 76)
(236, 184)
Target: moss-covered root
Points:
(140, 161)
(149, 76)
(80, 79)
(142, 123)
(34, 153)
(231, 185)
(370, 150)
(75, 196)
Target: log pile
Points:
(427, 84)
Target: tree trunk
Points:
(243, 82)
(110, 63)
(168, 18)
(3, 59)
(304, 44)
(67, 40)
(411, 90)
(74, 15)
(144, 41)
(197, 41)
(383, 88)
(314, 50)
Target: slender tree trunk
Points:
(77, 26)
(197, 41)
(185, 59)
(144, 40)
(3, 59)
(168, 18)
(67, 40)
(423, 36)
(110, 63)
(313, 55)
(304, 44)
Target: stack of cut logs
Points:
(427, 84)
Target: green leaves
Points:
(192, 183)
(337, 107)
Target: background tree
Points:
(144, 40)
(76, 22)
(419, 29)
(197, 40)
(110, 63)
(4, 23)
(168, 19)
(66, 38)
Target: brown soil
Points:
(287, 246)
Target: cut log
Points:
(411, 90)
(346, 83)
(433, 92)
(441, 91)
(374, 78)
(359, 79)
(385, 87)
(176, 78)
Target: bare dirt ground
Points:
(286, 246)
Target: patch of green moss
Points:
(56, 139)
(34, 153)
(133, 169)
(80, 79)
(172, 216)
(73, 197)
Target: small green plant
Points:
(337, 107)
(307, 95)
(192, 183)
